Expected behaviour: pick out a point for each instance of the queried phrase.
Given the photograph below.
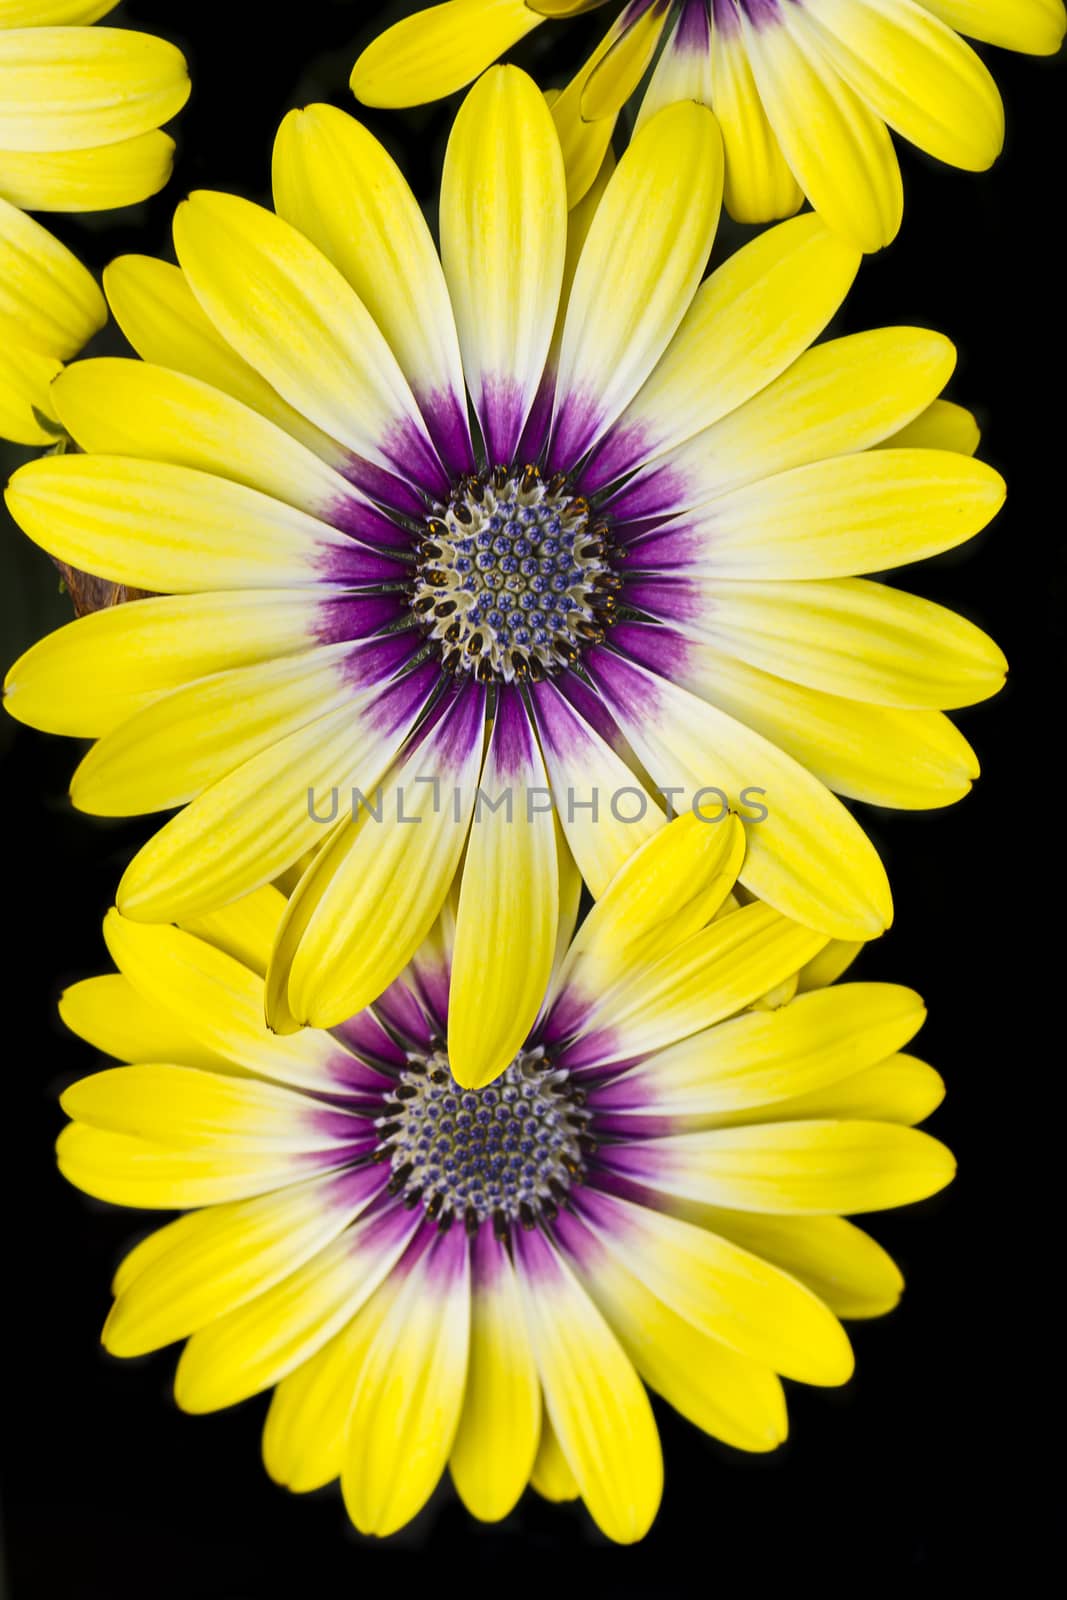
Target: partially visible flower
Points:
(803, 89)
(80, 113)
(634, 569)
(430, 1277)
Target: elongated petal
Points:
(597, 1405)
(189, 739)
(499, 1428)
(592, 787)
(616, 76)
(864, 513)
(214, 1260)
(880, 754)
(762, 1057)
(288, 311)
(165, 323)
(508, 906)
(839, 149)
(1036, 26)
(644, 256)
(44, 289)
(759, 184)
(126, 1171)
(132, 408)
(794, 1168)
(915, 72)
(263, 1339)
(665, 892)
(503, 240)
(335, 182)
(805, 853)
(261, 818)
(942, 426)
(97, 179)
(409, 1396)
(74, 88)
(837, 1261)
(748, 323)
(26, 379)
(838, 398)
(713, 974)
(725, 1291)
(113, 1016)
(77, 680)
(850, 637)
(438, 50)
(375, 889)
(156, 526)
(219, 1001)
(723, 1392)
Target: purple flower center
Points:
(513, 578)
(510, 1151)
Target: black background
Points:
(913, 1470)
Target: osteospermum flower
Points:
(803, 89)
(599, 575)
(80, 112)
(429, 1276)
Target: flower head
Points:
(588, 594)
(80, 113)
(806, 91)
(429, 1276)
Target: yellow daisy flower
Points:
(636, 570)
(80, 112)
(805, 90)
(432, 1277)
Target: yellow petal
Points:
(729, 1294)
(508, 906)
(26, 378)
(620, 70)
(156, 526)
(806, 854)
(163, 320)
(265, 1338)
(850, 637)
(288, 311)
(598, 1408)
(836, 1260)
(77, 680)
(1035, 26)
(376, 887)
(114, 1017)
(218, 1000)
(503, 242)
(712, 975)
(97, 179)
(194, 736)
(942, 426)
(797, 1168)
(915, 72)
(215, 1260)
(335, 182)
(592, 787)
(759, 185)
(644, 256)
(500, 1425)
(131, 408)
(132, 1172)
(45, 291)
(726, 1394)
(751, 319)
(664, 893)
(72, 88)
(409, 1395)
(550, 1475)
(839, 149)
(438, 50)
